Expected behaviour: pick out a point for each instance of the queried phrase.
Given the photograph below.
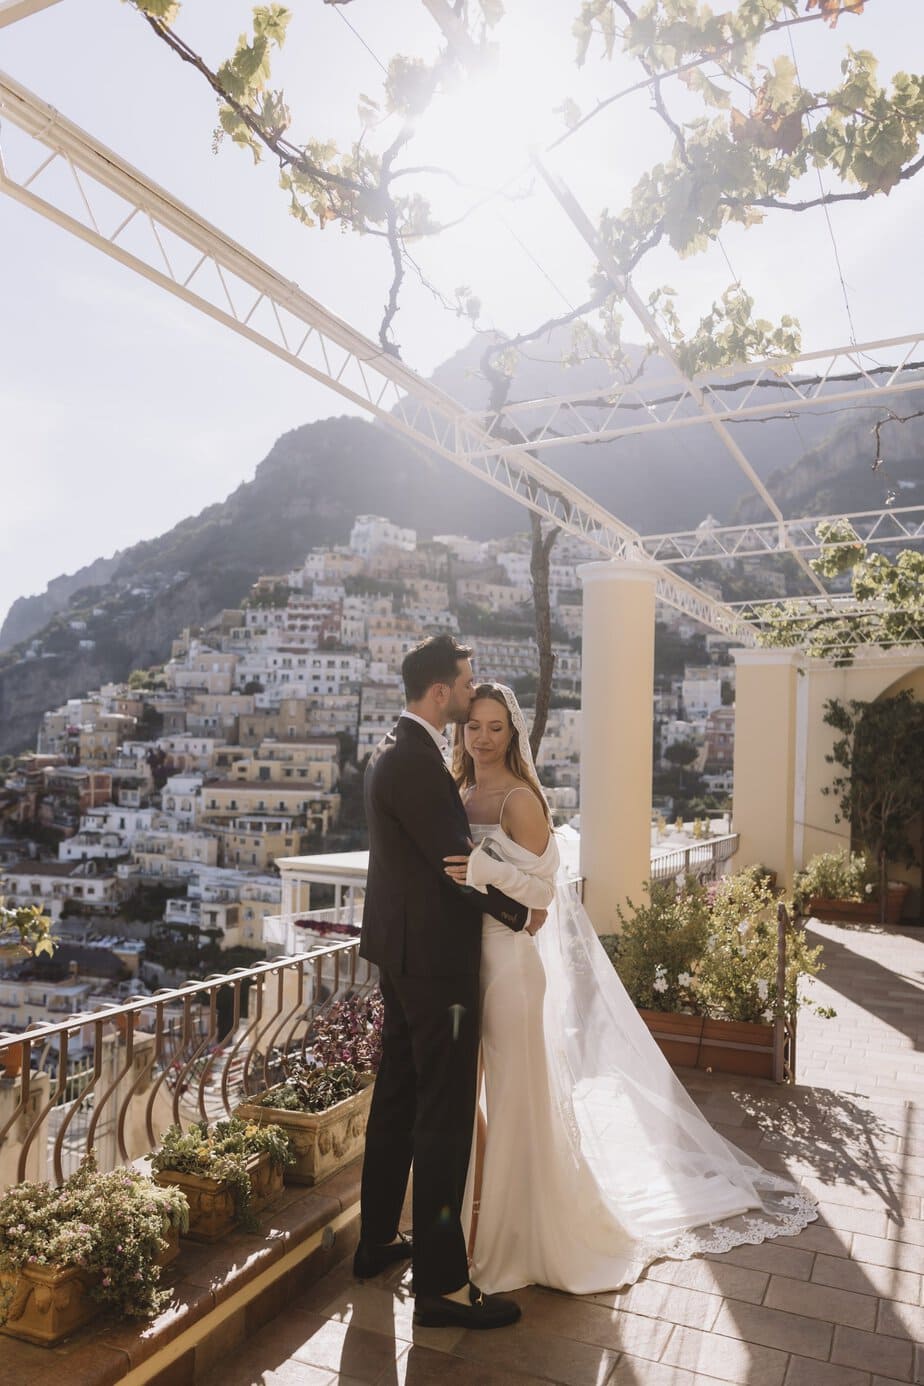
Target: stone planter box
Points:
(321, 1141)
(172, 1250)
(725, 1046)
(861, 911)
(211, 1204)
(49, 1303)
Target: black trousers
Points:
(423, 1110)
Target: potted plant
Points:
(844, 885)
(323, 1111)
(879, 784)
(701, 964)
(323, 1100)
(96, 1240)
(24, 930)
(229, 1172)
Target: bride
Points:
(595, 1161)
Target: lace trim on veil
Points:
(724, 1236)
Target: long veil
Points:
(674, 1184)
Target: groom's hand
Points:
(536, 920)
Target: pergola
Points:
(60, 171)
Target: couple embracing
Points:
(593, 1161)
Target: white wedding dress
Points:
(596, 1161)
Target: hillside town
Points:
(150, 816)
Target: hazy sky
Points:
(123, 410)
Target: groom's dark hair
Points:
(432, 661)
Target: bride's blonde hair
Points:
(463, 767)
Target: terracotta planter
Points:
(11, 1061)
(211, 1203)
(49, 1303)
(861, 911)
(321, 1142)
(725, 1046)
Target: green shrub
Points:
(842, 875)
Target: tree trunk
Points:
(539, 572)
(883, 885)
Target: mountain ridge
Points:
(316, 478)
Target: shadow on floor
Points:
(892, 998)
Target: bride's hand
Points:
(457, 868)
(536, 920)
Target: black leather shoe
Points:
(484, 1311)
(371, 1260)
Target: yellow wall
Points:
(765, 746)
(781, 741)
(616, 736)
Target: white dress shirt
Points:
(442, 745)
(438, 736)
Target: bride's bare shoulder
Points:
(524, 820)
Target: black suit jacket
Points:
(416, 921)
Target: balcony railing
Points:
(290, 932)
(701, 859)
(95, 1081)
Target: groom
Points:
(424, 933)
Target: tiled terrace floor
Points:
(841, 1305)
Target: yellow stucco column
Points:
(767, 752)
(617, 690)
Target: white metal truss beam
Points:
(877, 527)
(824, 621)
(11, 11)
(764, 390)
(84, 187)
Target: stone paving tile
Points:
(668, 1302)
(770, 1258)
(721, 1276)
(633, 1371)
(901, 1320)
(818, 1236)
(821, 1302)
(341, 1347)
(872, 1352)
(422, 1366)
(728, 1358)
(251, 1370)
(594, 1323)
(805, 1371)
(867, 1279)
(525, 1348)
(775, 1328)
(907, 1230)
(880, 1251)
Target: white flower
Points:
(744, 926)
(684, 978)
(660, 983)
(712, 941)
(660, 970)
(763, 988)
(742, 951)
(767, 1017)
(869, 888)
